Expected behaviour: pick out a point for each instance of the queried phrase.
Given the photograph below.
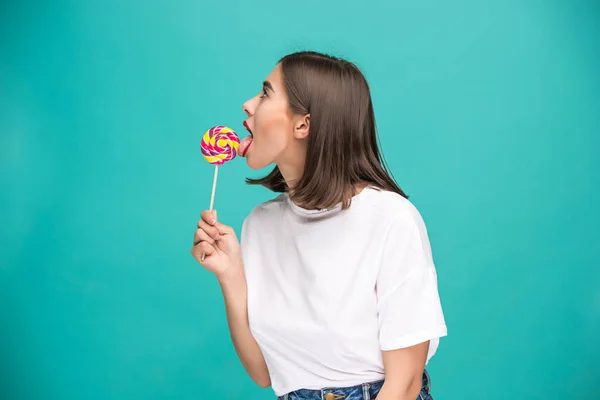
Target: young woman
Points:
(333, 291)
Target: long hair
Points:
(343, 146)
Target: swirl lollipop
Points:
(219, 145)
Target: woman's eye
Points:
(264, 93)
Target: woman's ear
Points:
(302, 127)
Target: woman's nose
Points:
(246, 108)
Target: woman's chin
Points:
(254, 163)
(250, 163)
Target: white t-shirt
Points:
(328, 290)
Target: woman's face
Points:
(270, 123)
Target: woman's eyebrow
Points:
(267, 85)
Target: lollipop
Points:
(219, 145)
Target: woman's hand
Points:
(216, 247)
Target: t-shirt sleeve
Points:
(408, 303)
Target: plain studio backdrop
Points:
(489, 116)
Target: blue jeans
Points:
(366, 391)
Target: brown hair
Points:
(343, 146)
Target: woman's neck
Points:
(292, 171)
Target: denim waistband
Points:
(365, 391)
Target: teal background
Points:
(488, 113)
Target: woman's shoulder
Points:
(392, 206)
(388, 201)
(266, 209)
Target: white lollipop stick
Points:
(212, 197)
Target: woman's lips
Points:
(247, 127)
(246, 142)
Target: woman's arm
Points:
(217, 249)
(403, 372)
(235, 293)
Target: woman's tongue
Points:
(244, 146)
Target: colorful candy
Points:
(219, 145)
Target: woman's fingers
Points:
(224, 229)
(212, 237)
(209, 216)
(202, 236)
(205, 249)
(202, 248)
(212, 231)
